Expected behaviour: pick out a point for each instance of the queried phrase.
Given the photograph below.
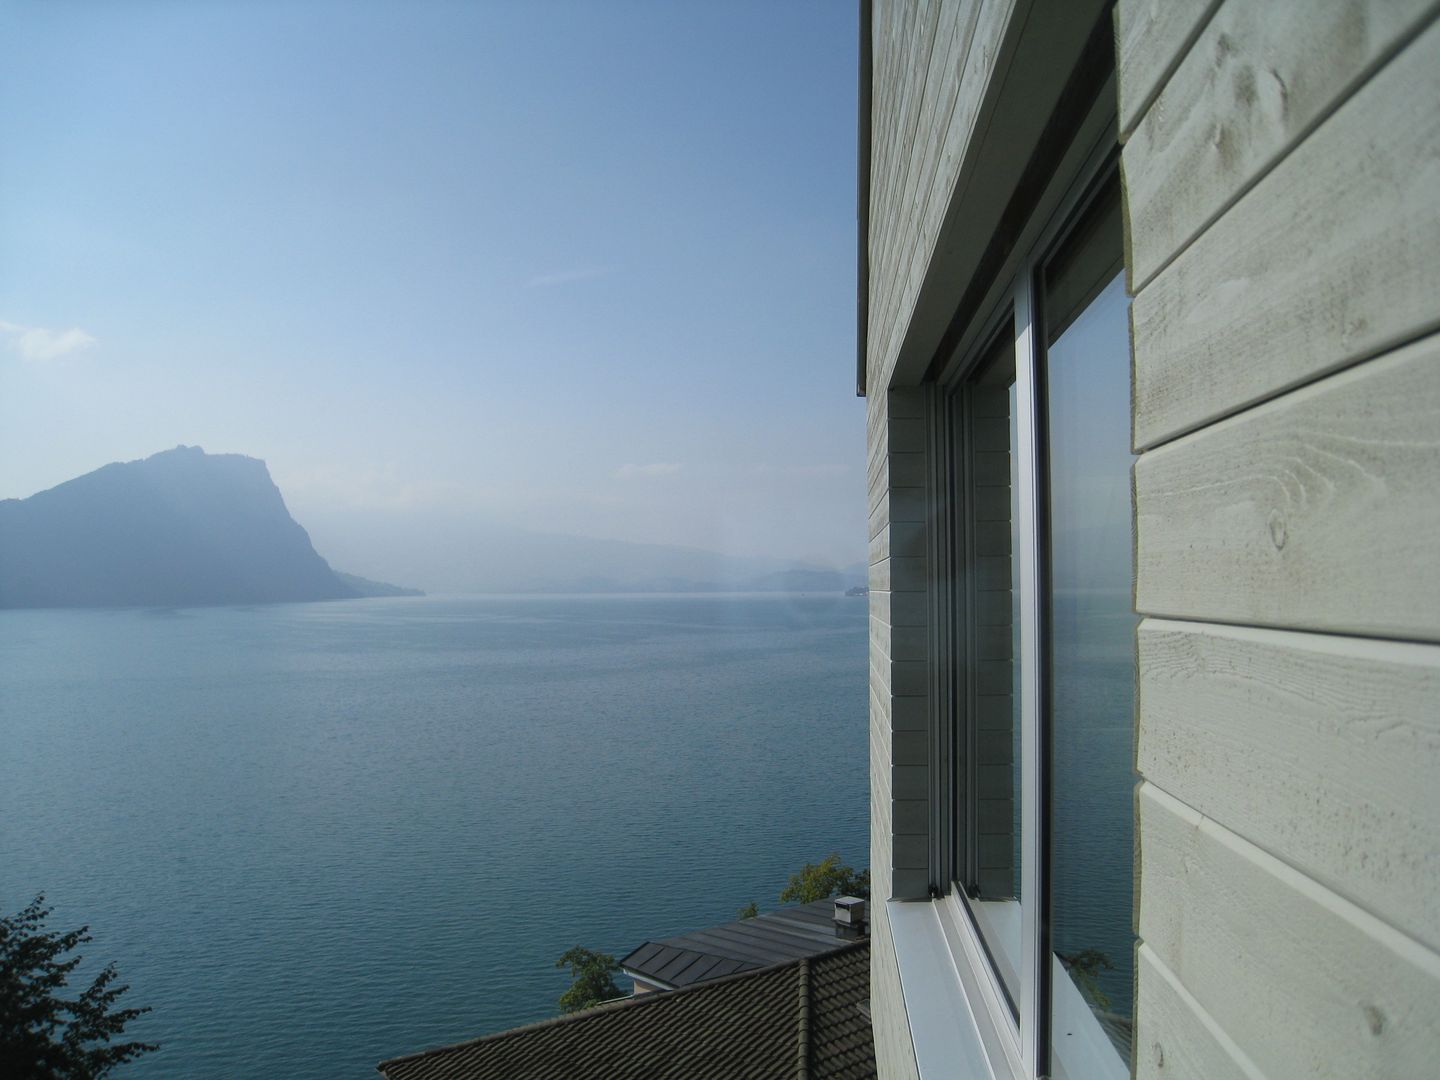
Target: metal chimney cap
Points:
(849, 911)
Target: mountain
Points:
(181, 528)
(366, 587)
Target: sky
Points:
(575, 267)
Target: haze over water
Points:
(314, 836)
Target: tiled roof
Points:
(806, 1018)
(787, 934)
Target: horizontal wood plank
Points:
(1304, 982)
(1317, 511)
(1151, 37)
(1174, 1036)
(1322, 750)
(1258, 78)
(1329, 259)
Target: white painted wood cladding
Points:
(1316, 511)
(1330, 258)
(1151, 37)
(1267, 74)
(1174, 1036)
(1323, 749)
(1304, 982)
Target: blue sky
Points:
(578, 267)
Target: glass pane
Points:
(992, 635)
(1092, 681)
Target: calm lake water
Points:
(314, 836)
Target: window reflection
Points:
(1091, 625)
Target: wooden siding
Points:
(1304, 982)
(1322, 749)
(932, 65)
(1282, 183)
(951, 136)
(1267, 74)
(1282, 180)
(1327, 260)
(1174, 1036)
(1316, 511)
(1151, 38)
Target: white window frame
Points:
(1013, 1047)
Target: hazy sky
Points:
(582, 267)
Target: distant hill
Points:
(366, 587)
(181, 528)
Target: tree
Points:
(43, 1034)
(829, 877)
(1085, 967)
(749, 911)
(591, 979)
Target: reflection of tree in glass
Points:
(1085, 967)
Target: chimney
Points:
(849, 916)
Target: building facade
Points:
(1149, 294)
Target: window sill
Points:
(944, 1027)
(955, 1012)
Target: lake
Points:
(314, 836)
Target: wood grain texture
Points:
(1322, 750)
(1175, 1039)
(1316, 511)
(1151, 37)
(972, 61)
(1304, 982)
(1330, 258)
(933, 81)
(902, 38)
(1266, 73)
(948, 84)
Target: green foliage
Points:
(1085, 967)
(43, 1034)
(592, 981)
(829, 877)
(749, 911)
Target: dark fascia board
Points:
(862, 208)
(1042, 45)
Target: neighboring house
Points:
(1148, 311)
(805, 1018)
(805, 930)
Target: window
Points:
(1038, 649)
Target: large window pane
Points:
(1091, 651)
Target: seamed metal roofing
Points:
(805, 1018)
(787, 934)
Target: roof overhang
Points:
(862, 208)
(1052, 58)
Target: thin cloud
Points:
(566, 277)
(37, 345)
(657, 468)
